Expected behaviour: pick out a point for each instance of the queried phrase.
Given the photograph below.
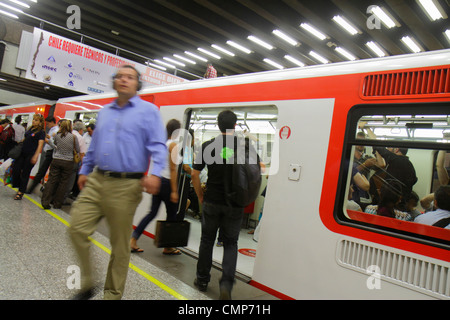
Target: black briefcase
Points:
(172, 233)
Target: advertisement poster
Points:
(73, 65)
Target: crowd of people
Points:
(383, 185)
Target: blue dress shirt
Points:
(126, 137)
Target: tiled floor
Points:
(36, 257)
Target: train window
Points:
(395, 157)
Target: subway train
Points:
(304, 123)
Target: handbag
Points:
(76, 155)
(172, 233)
(15, 152)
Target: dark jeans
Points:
(229, 220)
(163, 196)
(46, 160)
(21, 172)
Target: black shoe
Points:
(85, 295)
(202, 286)
(46, 207)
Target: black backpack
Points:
(243, 175)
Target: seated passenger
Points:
(441, 216)
(411, 202)
(390, 196)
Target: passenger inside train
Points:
(389, 179)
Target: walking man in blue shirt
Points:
(128, 131)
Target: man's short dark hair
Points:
(171, 126)
(50, 119)
(18, 119)
(226, 120)
(442, 197)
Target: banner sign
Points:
(73, 65)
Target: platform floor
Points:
(36, 257)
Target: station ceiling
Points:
(159, 29)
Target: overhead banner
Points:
(73, 65)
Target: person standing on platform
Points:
(128, 132)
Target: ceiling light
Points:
(184, 59)
(195, 56)
(9, 14)
(165, 64)
(433, 9)
(222, 50)
(20, 3)
(209, 53)
(294, 61)
(175, 62)
(238, 46)
(273, 63)
(376, 49)
(318, 57)
(345, 53)
(285, 37)
(10, 7)
(447, 33)
(313, 31)
(345, 24)
(411, 44)
(383, 15)
(260, 42)
(1, 79)
(155, 66)
(115, 32)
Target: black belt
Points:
(123, 175)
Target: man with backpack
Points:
(6, 138)
(220, 210)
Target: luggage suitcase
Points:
(172, 233)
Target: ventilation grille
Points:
(416, 274)
(436, 81)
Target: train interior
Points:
(426, 138)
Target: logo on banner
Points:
(69, 65)
(285, 133)
(51, 59)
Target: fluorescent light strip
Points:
(196, 56)
(260, 42)
(345, 24)
(273, 63)
(345, 53)
(175, 62)
(318, 57)
(285, 37)
(10, 7)
(184, 59)
(238, 46)
(313, 31)
(155, 66)
(430, 8)
(375, 49)
(20, 3)
(411, 44)
(165, 64)
(294, 61)
(223, 50)
(209, 53)
(9, 14)
(383, 16)
(447, 33)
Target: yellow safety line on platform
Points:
(108, 251)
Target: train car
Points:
(26, 110)
(304, 122)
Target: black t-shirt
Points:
(31, 141)
(214, 154)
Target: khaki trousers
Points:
(115, 199)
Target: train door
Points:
(258, 124)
